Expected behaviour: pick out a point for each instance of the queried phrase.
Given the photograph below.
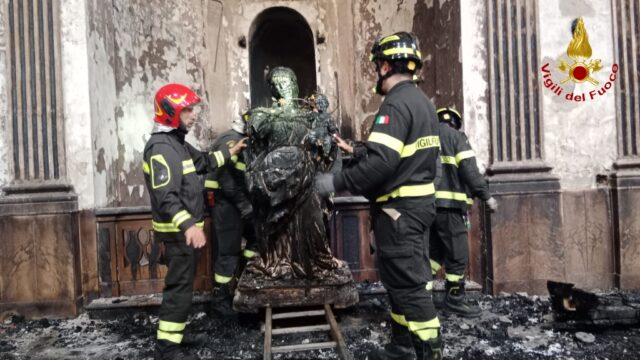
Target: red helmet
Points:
(169, 102)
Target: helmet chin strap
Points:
(381, 79)
(183, 129)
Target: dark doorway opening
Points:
(280, 36)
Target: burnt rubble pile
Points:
(513, 326)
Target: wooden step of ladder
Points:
(331, 326)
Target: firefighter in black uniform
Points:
(397, 174)
(171, 167)
(232, 216)
(459, 182)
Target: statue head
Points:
(322, 103)
(283, 84)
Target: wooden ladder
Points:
(331, 326)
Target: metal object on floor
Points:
(331, 326)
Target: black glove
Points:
(246, 210)
(324, 184)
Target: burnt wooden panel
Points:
(137, 258)
(626, 202)
(88, 259)
(540, 233)
(104, 249)
(40, 265)
(34, 101)
(18, 259)
(351, 237)
(438, 29)
(525, 244)
(129, 257)
(588, 239)
(474, 269)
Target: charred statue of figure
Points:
(288, 143)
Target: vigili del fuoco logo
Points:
(582, 68)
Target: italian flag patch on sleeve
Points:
(382, 119)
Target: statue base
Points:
(255, 292)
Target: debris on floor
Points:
(513, 326)
(576, 308)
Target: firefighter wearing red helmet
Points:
(396, 170)
(171, 167)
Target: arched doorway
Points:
(280, 36)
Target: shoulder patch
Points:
(160, 171)
(382, 120)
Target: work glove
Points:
(324, 184)
(246, 211)
(492, 204)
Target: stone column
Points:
(520, 236)
(39, 261)
(625, 179)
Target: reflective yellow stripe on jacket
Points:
(464, 155)
(402, 149)
(455, 160)
(450, 195)
(219, 157)
(409, 191)
(170, 227)
(211, 184)
(188, 167)
(180, 217)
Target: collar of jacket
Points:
(179, 134)
(400, 85)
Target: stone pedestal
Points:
(255, 292)
(39, 252)
(523, 237)
(625, 184)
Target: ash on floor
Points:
(511, 327)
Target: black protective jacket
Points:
(228, 182)
(461, 180)
(401, 151)
(171, 167)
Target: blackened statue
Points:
(288, 143)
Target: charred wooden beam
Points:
(579, 308)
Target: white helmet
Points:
(239, 124)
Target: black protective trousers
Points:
(229, 228)
(401, 231)
(449, 243)
(177, 294)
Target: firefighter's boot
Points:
(428, 350)
(193, 339)
(457, 303)
(399, 347)
(438, 298)
(222, 301)
(167, 350)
